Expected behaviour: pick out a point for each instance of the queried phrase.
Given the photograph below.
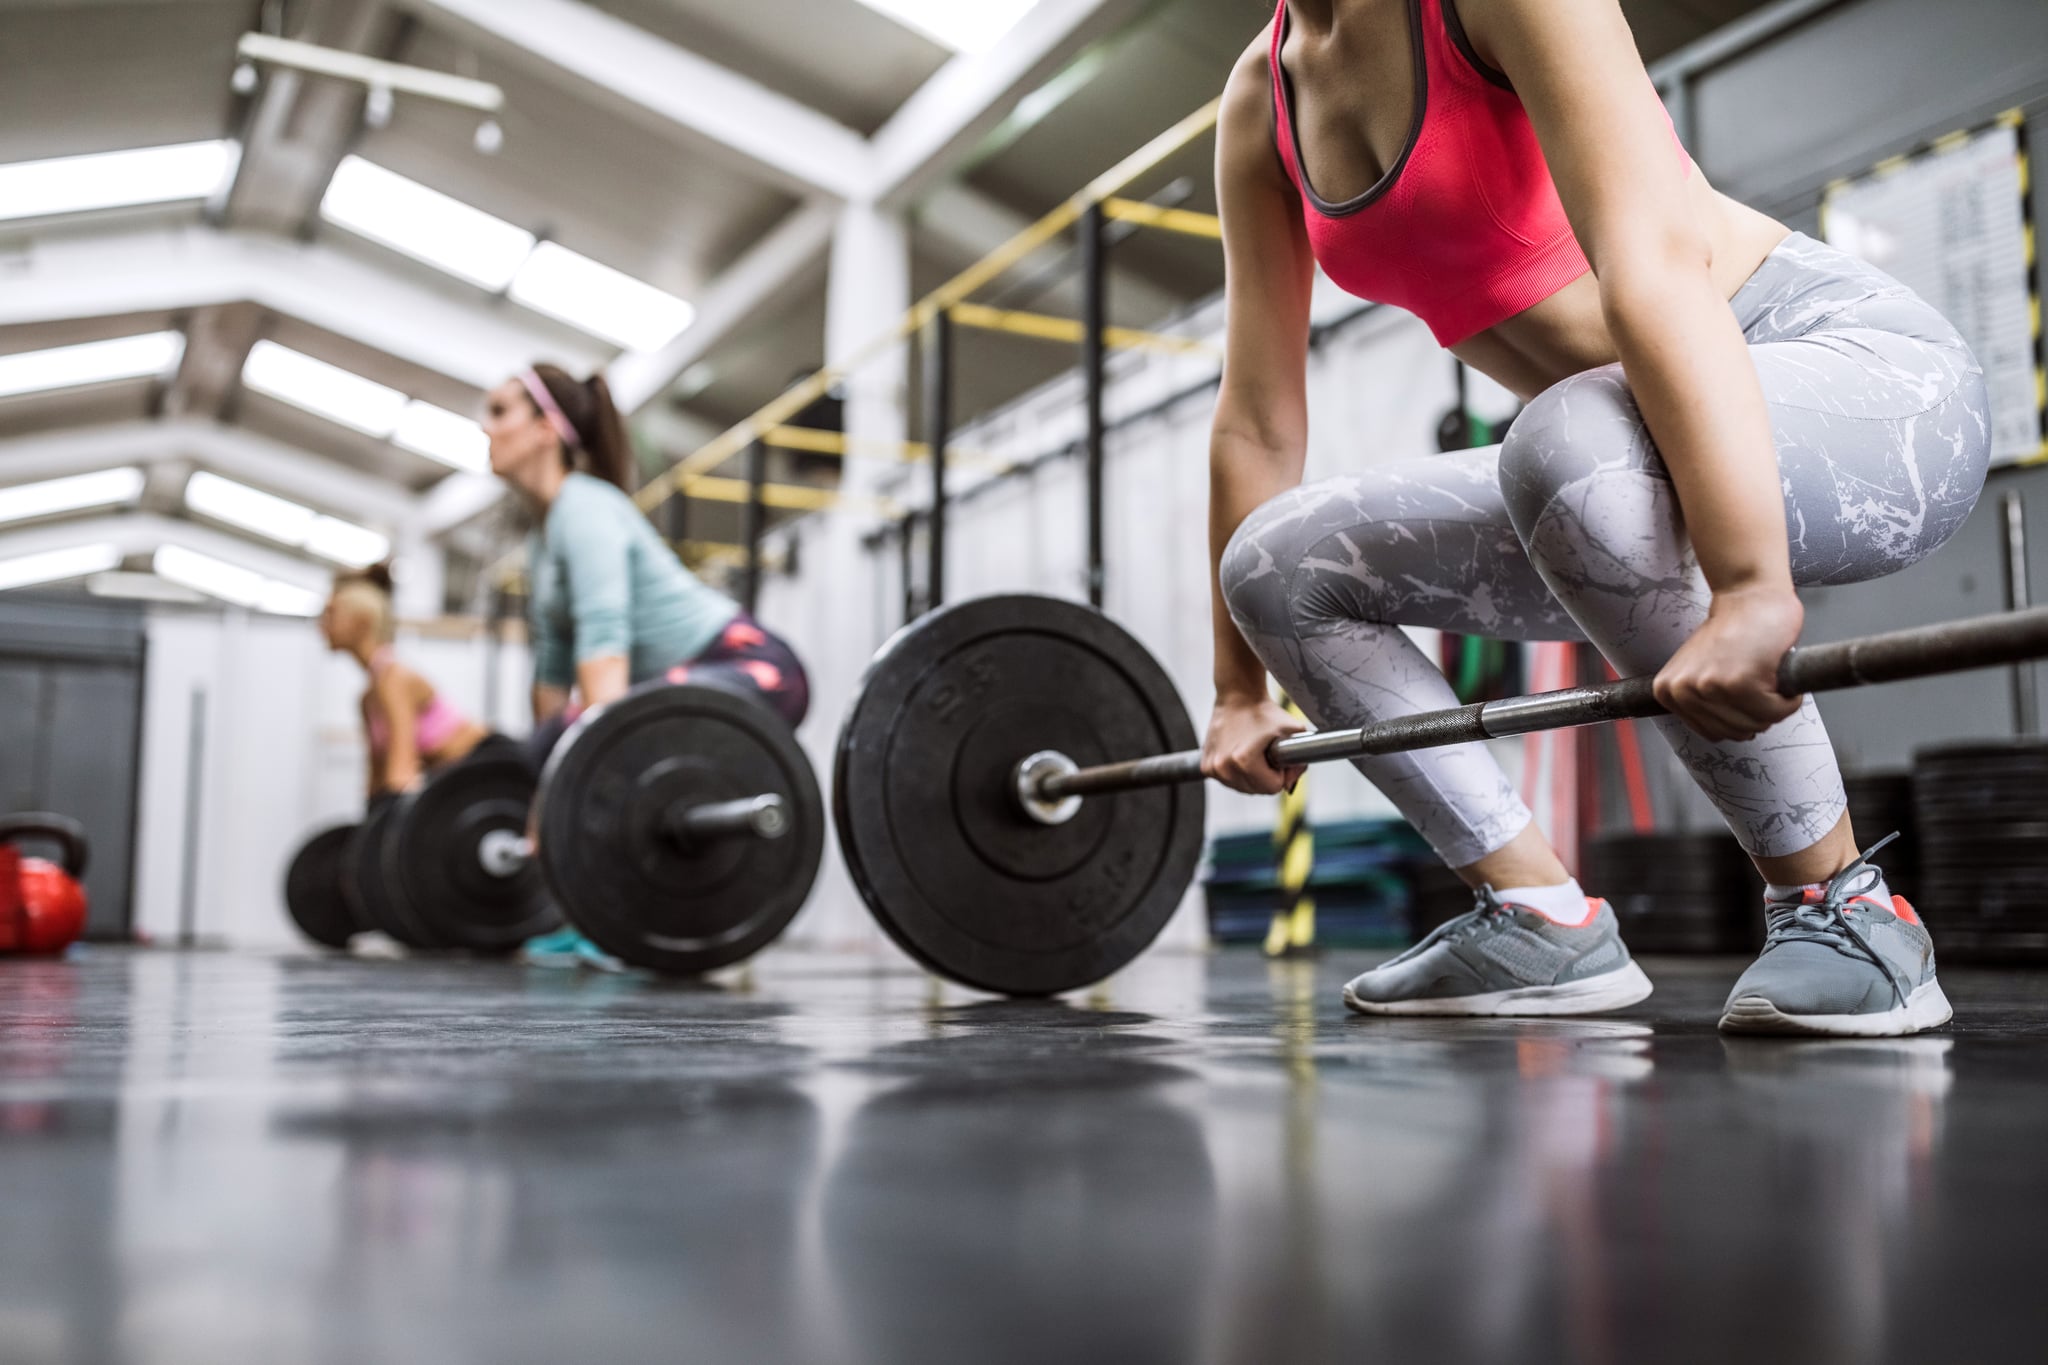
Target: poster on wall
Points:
(1951, 223)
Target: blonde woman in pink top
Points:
(412, 730)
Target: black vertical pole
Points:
(906, 531)
(938, 427)
(751, 524)
(678, 519)
(1094, 318)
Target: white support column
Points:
(836, 633)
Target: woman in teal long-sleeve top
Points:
(612, 609)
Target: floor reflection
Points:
(219, 1158)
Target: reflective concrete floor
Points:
(222, 1158)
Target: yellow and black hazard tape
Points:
(1293, 929)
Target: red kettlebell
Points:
(42, 904)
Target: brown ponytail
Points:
(605, 447)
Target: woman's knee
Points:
(1580, 436)
(1257, 569)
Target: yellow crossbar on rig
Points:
(1045, 327)
(1187, 222)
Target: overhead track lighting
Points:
(391, 77)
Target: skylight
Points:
(493, 254)
(963, 25)
(284, 521)
(111, 180)
(369, 407)
(233, 583)
(598, 299)
(425, 224)
(54, 497)
(318, 387)
(90, 362)
(53, 566)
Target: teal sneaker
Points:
(568, 948)
(1502, 958)
(1845, 960)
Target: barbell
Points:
(680, 829)
(1017, 787)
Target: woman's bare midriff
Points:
(1567, 334)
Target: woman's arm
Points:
(1259, 438)
(604, 678)
(1575, 66)
(395, 693)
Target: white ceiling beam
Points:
(233, 452)
(477, 344)
(144, 533)
(755, 282)
(624, 68)
(935, 130)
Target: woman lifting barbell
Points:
(1719, 410)
(612, 610)
(411, 729)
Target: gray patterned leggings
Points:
(1571, 530)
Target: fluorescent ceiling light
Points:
(53, 497)
(53, 566)
(110, 180)
(319, 387)
(233, 583)
(346, 543)
(442, 435)
(598, 299)
(963, 25)
(138, 587)
(91, 362)
(425, 224)
(283, 521)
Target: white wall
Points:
(1377, 391)
(283, 756)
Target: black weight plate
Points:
(368, 876)
(439, 845)
(923, 795)
(634, 892)
(313, 890)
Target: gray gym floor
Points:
(214, 1158)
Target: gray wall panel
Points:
(94, 715)
(1860, 82)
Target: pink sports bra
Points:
(1465, 229)
(432, 728)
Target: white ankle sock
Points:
(1879, 892)
(1565, 903)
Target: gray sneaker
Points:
(1845, 962)
(1500, 958)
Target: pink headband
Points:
(550, 409)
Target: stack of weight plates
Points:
(1677, 893)
(1983, 816)
(1881, 803)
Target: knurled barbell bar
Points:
(967, 763)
